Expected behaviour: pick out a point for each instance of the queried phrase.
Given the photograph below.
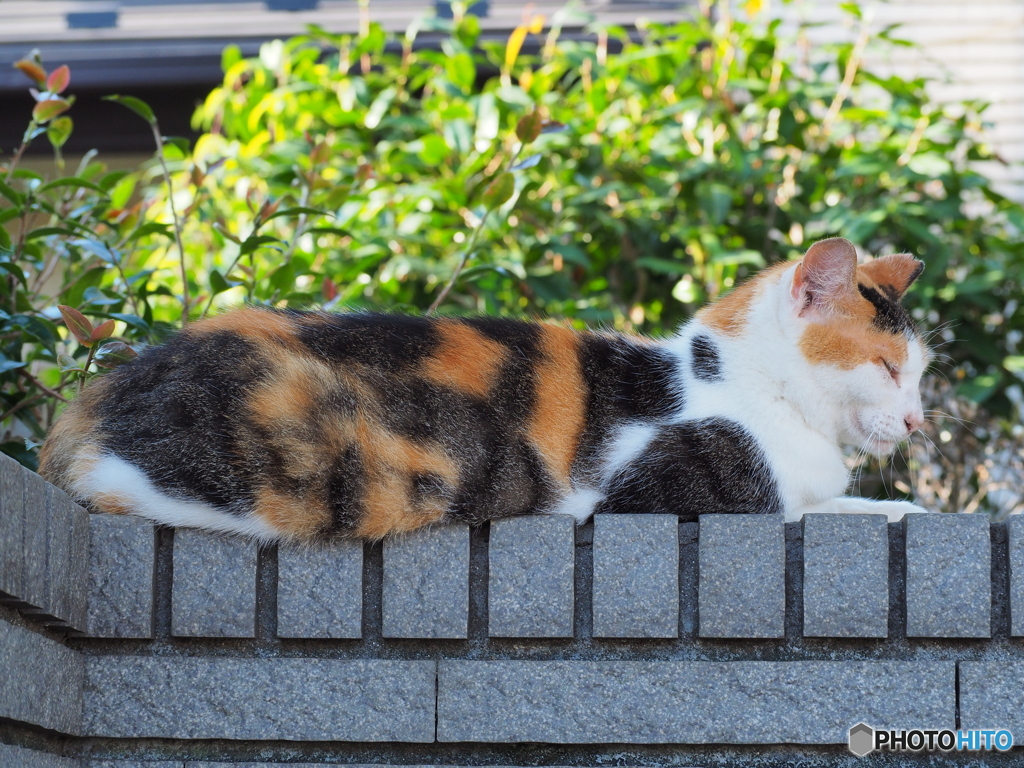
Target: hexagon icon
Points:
(862, 739)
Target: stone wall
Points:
(631, 640)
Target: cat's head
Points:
(863, 349)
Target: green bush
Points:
(620, 182)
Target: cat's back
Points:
(306, 424)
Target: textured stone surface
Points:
(18, 757)
(320, 591)
(121, 552)
(67, 557)
(1015, 532)
(846, 576)
(34, 574)
(530, 589)
(739, 702)
(742, 576)
(992, 696)
(149, 764)
(214, 593)
(40, 680)
(12, 527)
(426, 583)
(949, 572)
(265, 698)
(636, 576)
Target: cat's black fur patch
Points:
(346, 484)
(712, 466)
(890, 315)
(388, 342)
(624, 380)
(174, 413)
(707, 365)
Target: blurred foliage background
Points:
(619, 182)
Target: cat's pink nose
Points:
(913, 421)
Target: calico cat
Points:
(285, 425)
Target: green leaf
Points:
(138, 106)
(219, 284)
(59, 131)
(49, 109)
(113, 354)
(10, 194)
(379, 107)
(298, 211)
(256, 241)
(529, 162)
(529, 126)
(10, 365)
(132, 321)
(499, 191)
(97, 248)
(1015, 365)
(42, 330)
(74, 182)
(67, 364)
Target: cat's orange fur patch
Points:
(559, 416)
(291, 393)
(111, 504)
(465, 360)
(392, 465)
(295, 517)
(251, 323)
(70, 450)
(840, 345)
(728, 315)
(896, 271)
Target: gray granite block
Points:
(214, 590)
(688, 702)
(742, 576)
(34, 575)
(992, 696)
(67, 554)
(320, 591)
(949, 575)
(636, 576)
(150, 764)
(40, 680)
(530, 587)
(293, 699)
(19, 757)
(12, 527)
(426, 583)
(1015, 533)
(121, 555)
(846, 576)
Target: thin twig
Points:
(185, 302)
(470, 246)
(37, 383)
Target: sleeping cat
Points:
(286, 425)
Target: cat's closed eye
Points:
(890, 369)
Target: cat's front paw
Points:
(893, 510)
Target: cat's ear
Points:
(896, 272)
(825, 276)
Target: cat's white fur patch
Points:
(580, 503)
(627, 444)
(114, 476)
